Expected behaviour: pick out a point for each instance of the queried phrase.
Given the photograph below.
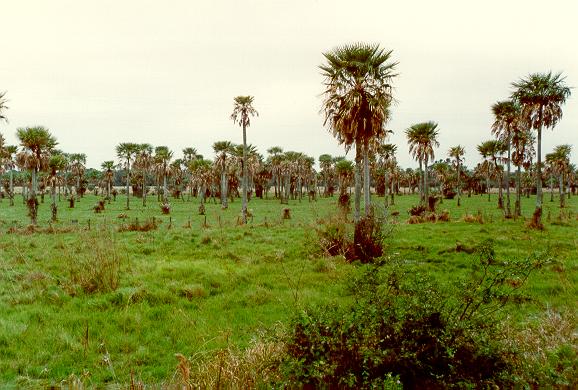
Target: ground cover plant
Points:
(87, 300)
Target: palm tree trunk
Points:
(508, 209)
(561, 184)
(426, 192)
(108, 190)
(54, 206)
(357, 176)
(224, 189)
(366, 179)
(518, 207)
(127, 184)
(458, 188)
(488, 182)
(420, 182)
(537, 218)
(385, 189)
(165, 190)
(32, 199)
(11, 187)
(244, 179)
(551, 188)
(78, 188)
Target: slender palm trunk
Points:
(537, 219)
(11, 187)
(245, 176)
(392, 187)
(458, 189)
(561, 184)
(78, 188)
(518, 206)
(500, 185)
(420, 182)
(551, 188)
(224, 200)
(488, 182)
(508, 207)
(357, 177)
(386, 184)
(366, 179)
(32, 199)
(108, 190)
(54, 206)
(425, 188)
(165, 190)
(127, 184)
(144, 189)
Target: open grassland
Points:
(81, 297)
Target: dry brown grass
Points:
(255, 367)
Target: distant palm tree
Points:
(506, 125)
(491, 151)
(57, 163)
(190, 154)
(37, 143)
(560, 159)
(223, 149)
(243, 110)
(9, 164)
(163, 158)
(108, 168)
(422, 139)
(357, 97)
(387, 154)
(143, 162)
(541, 96)
(126, 151)
(523, 143)
(275, 153)
(457, 153)
(77, 166)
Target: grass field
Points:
(82, 298)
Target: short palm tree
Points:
(541, 96)
(108, 170)
(77, 166)
(357, 98)
(506, 125)
(561, 164)
(9, 164)
(457, 153)
(243, 110)
(422, 139)
(491, 151)
(126, 152)
(387, 154)
(143, 162)
(56, 164)
(37, 143)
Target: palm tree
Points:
(357, 97)
(223, 150)
(422, 138)
(275, 153)
(142, 164)
(387, 154)
(457, 152)
(242, 111)
(506, 124)
(9, 164)
(108, 168)
(56, 164)
(561, 163)
(491, 151)
(37, 143)
(541, 96)
(163, 157)
(126, 152)
(190, 154)
(523, 143)
(77, 165)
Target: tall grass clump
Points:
(93, 264)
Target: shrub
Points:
(165, 208)
(136, 226)
(368, 239)
(417, 210)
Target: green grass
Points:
(193, 290)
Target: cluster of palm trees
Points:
(357, 103)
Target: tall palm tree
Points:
(37, 143)
(506, 125)
(275, 153)
(108, 168)
(190, 154)
(541, 96)
(126, 152)
(243, 110)
(357, 97)
(457, 153)
(77, 166)
(163, 158)
(57, 163)
(422, 139)
(143, 162)
(325, 164)
(223, 149)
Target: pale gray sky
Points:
(98, 73)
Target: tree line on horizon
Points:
(357, 102)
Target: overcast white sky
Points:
(98, 73)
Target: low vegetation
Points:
(202, 301)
